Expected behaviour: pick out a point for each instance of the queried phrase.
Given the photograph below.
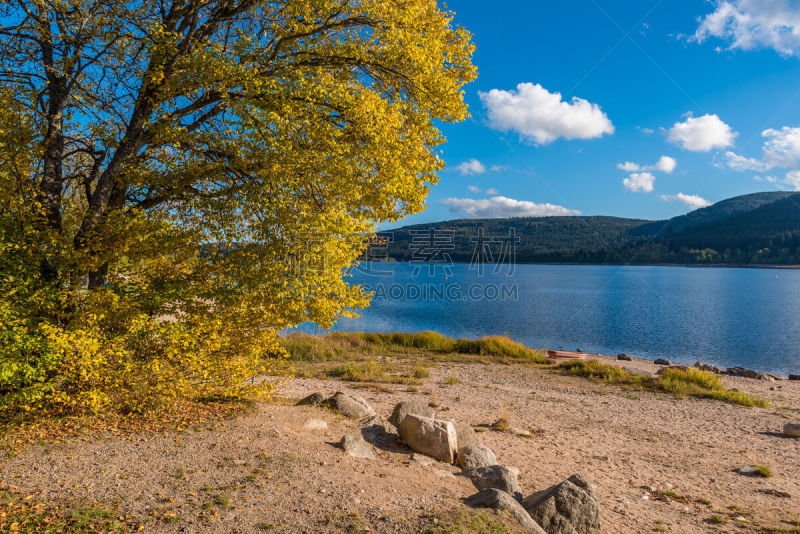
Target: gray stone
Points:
(315, 425)
(566, 508)
(356, 447)
(792, 430)
(430, 436)
(415, 406)
(498, 477)
(748, 471)
(422, 459)
(662, 361)
(315, 399)
(466, 435)
(475, 456)
(624, 357)
(708, 367)
(373, 429)
(747, 373)
(500, 500)
(350, 405)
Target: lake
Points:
(723, 316)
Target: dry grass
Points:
(27, 514)
(681, 383)
(347, 346)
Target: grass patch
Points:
(26, 514)
(344, 346)
(369, 371)
(451, 380)
(476, 522)
(763, 471)
(680, 383)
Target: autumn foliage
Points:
(180, 181)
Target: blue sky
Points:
(702, 98)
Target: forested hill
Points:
(761, 228)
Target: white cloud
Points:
(498, 168)
(664, 164)
(492, 191)
(639, 182)
(470, 167)
(750, 24)
(782, 147)
(499, 206)
(768, 179)
(693, 201)
(629, 166)
(742, 163)
(793, 180)
(541, 116)
(701, 134)
(473, 189)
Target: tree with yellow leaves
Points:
(182, 179)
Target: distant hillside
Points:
(716, 212)
(761, 228)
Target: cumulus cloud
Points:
(492, 191)
(639, 182)
(471, 167)
(693, 201)
(701, 134)
(501, 207)
(782, 147)
(473, 189)
(542, 117)
(664, 164)
(750, 24)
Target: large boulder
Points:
(356, 447)
(624, 357)
(315, 399)
(430, 436)
(500, 500)
(350, 405)
(466, 435)
(566, 508)
(792, 430)
(708, 367)
(662, 361)
(415, 406)
(475, 456)
(499, 477)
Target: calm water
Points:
(727, 317)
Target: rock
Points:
(315, 399)
(792, 430)
(520, 432)
(747, 373)
(794, 377)
(415, 406)
(475, 456)
(708, 367)
(466, 435)
(662, 361)
(356, 447)
(373, 429)
(498, 477)
(315, 425)
(748, 471)
(430, 436)
(624, 357)
(566, 508)
(350, 405)
(500, 500)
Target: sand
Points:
(264, 472)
